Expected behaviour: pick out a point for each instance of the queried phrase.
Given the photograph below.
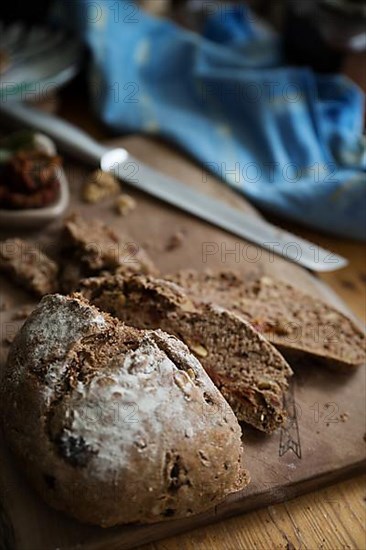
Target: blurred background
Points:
(319, 32)
(276, 88)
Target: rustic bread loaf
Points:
(113, 424)
(295, 322)
(249, 372)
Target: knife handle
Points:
(66, 136)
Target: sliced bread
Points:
(295, 322)
(91, 247)
(250, 372)
(27, 265)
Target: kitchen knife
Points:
(118, 161)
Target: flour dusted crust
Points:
(248, 370)
(114, 424)
(298, 324)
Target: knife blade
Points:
(80, 145)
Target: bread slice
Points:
(113, 424)
(295, 322)
(250, 373)
(91, 247)
(27, 265)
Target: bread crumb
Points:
(100, 185)
(175, 241)
(125, 204)
(344, 416)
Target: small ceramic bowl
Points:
(36, 217)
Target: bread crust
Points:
(250, 372)
(113, 424)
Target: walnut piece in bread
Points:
(250, 372)
(298, 324)
(113, 424)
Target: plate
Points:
(35, 217)
(35, 60)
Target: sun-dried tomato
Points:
(29, 180)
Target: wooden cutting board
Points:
(324, 439)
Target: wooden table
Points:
(332, 518)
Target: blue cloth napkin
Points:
(288, 138)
